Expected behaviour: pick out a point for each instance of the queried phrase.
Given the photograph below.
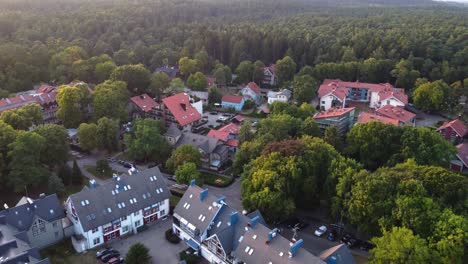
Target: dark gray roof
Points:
(254, 249)
(339, 254)
(207, 144)
(170, 71)
(191, 207)
(173, 131)
(22, 216)
(13, 251)
(99, 205)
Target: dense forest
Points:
(399, 44)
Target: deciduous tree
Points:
(87, 136)
(183, 154)
(186, 172)
(138, 254)
(136, 76)
(55, 152)
(145, 142)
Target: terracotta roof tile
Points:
(144, 102)
(368, 117)
(254, 87)
(236, 99)
(396, 113)
(457, 125)
(463, 152)
(230, 128)
(221, 135)
(180, 107)
(333, 112)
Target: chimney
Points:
(253, 222)
(203, 194)
(221, 200)
(233, 218)
(272, 235)
(92, 184)
(294, 247)
(192, 183)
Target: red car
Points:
(116, 260)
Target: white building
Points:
(119, 206)
(284, 95)
(269, 75)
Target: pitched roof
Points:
(46, 98)
(173, 131)
(99, 205)
(236, 99)
(457, 125)
(171, 71)
(15, 102)
(207, 144)
(365, 117)
(339, 93)
(239, 118)
(284, 92)
(339, 254)
(180, 107)
(46, 89)
(333, 112)
(271, 68)
(230, 128)
(233, 143)
(144, 102)
(462, 152)
(396, 113)
(396, 93)
(254, 87)
(218, 134)
(22, 216)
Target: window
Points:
(97, 240)
(136, 213)
(95, 230)
(54, 224)
(124, 218)
(38, 227)
(137, 223)
(56, 234)
(125, 229)
(388, 102)
(163, 212)
(323, 102)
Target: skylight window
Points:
(125, 188)
(144, 196)
(109, 210)
(251, 251)
(188, 206)
(131, 201)
(119, 206)
(157, 191)
(51, 211)
(241, 238)
(219, 224)
(191, 195)
(129, 187)
(281, 253)
(113, 192)
(254, 237)
(134, 200)
(203, 218)
(200, 217)
(247, 249)
(87, 202)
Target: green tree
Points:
(400, 245)
(24, 117)
(220, 75)
(435, 96)
(76, 175)
(55, 184)
(309, 127)
(87, 136)
(55, 152)
(69, 100)
(186, 172)
(245, 132)
(333, 138)
(103, 70)
(159, 82)
(137, 77)
(285, 69)
(110, 100)
(258, 73)
(405, 74)
(176, 86)
(145, 142)
(214, 95)
(188, 66)
(138, 254)
(107, 134)
(25, 166)
(280, 126)
(245, 72)
(183, 154)
(304, 88)
(7, 135)
(103, 168)
(197, 81)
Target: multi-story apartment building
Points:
(342, 118)
(119, 206)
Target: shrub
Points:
(171, 237)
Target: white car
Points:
(222, 118)
(320, 231)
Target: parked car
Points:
(103, 252)
(213, 113)
(227, 114)
(293, 222)
(254, 123)
(320, 231)
(332, 235)
(111, 254)
(117, 260)
(366, 246)
(222, 118)
(350, 241)
(127, 164)
(121, 162)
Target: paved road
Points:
(232, 194)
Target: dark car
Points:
(332, 235)
(219, 121)
(226, 114)
(121, 162)
(350, 241)
(127, 164)
(295, 222)
(366, 246)
(213, 113)
(113, 254)
(103, 252)
(117, 260)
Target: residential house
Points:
(339, 254)
(177, 109)
(215, 152)
(16, 102)
(342, 118)
(235, 101)
(143, 106)
(283, 95)
(269, 75)
(404, 117)
(37, 223)
(365, 117)
(336, 93)
(198, 96)
(220, 234)
(238, 119)
(103, 212)
(171, 71)
(227, 134)
(454, 131)
(460, 161)
(252, 92)
(210, 81)
(173, 134)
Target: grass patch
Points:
(63, 253)
(216, 180)
(174, 200)
(100, 175)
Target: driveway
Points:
(161, 251)
(232, 194)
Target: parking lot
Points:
(153, 238)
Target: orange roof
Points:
(396, 113)
(333, 112)
(230, 128)
(221, 135)
(365, 117)
(144, 102)
(233, 143)
(180, 107)
(463, 152)
(236, 99)
(254, 87)
(15, 102)
(457, 125)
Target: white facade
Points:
(278, 97)
(326, 102)
(199, 106)
(268, 77)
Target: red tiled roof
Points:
(221, 135)
(46, 89)
(144, 102)
(15, 102)
(236, 99)
(233, 143)
(462, 153)
(271, 68)
(45, 98)
(396, 113)
(180, 107)
(230, 128)
(396, 93)
(340, 93)
(239, 118)
(333, 112)
(457, 125)
(254, 87)
(365, 117)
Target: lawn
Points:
(100, 175)
(174, 200)
(216, 180)
(63, 253)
